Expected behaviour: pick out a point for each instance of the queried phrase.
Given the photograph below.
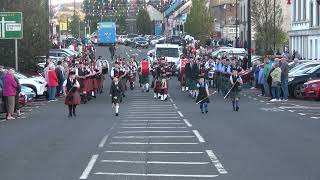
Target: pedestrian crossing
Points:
(152, 140)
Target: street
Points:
(171, 140)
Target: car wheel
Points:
(298, 91)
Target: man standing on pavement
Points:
(59, 72)
(266, 71)
(284, 78)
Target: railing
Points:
(173, 7)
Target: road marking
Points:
(4, 120)
(154, 111)
(103, 141)
(141, 143)
(180, 114)
(315, 117)
(171, 100)
(149, 137)
(154, 117)
(157, 175)
(128, 132)
(89, 167)
(153, 105)
(291, 111)
(197, 134)
(153, 152)
(154, 162)
(151, 121)
(145, 124)
(153, 127)
(187, 123)
(216, 162)
(175, 106)
(302, 114)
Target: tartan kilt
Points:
(94, 83)
(116, 99)
(87, 85)
(73, 98)
(144, 79)
(235, 94)
(164, 91)
(157, 87)
(192, 84)
(132, 78)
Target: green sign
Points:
(11, 25)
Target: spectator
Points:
(266, 73)
(261, 79)
(17, 104)
(60, 75)
(276, 82)
(9, 92)
(52, 81)
(1, 76)
(284, 79)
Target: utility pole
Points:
(236, 20)
(249, 33)
(274, 27)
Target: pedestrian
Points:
(17, 104)
(116, 95)
(203, 95)
(1, 76)
(261, 80)
(276, 82)
(284, 78)
(71, 91)
(266, 73)
(52, 82)
(236, 82)
(9, 92)
(60, 75)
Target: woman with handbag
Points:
(276, 82)
(71, 91)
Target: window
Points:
(318, 15)
(311, 14)
(311, 53)
(299, 10)
(304, 10)
(294, 11)
(316, 48)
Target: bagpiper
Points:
(203, 95)
(182, 74)
(71, 91)
(236, 82)
(132, 73)
(116, 95)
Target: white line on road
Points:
(175, 106)
(89, 167)
(153, 152)
(315, 117)
(153, 117)
(103, 141)
(216, 162)
(154, 162)
(151, 121)
(179, 112)
(157, 175)
(145, 124)
(197, 134)
(149, 137)
(302, 114)
(187, 123)
(153, 127)
(142, 143)
(130, 132)
(171, 100)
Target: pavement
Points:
(171, 140)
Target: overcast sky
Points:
(54, 2)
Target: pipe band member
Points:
(236, 82)
(71, 91)
(203, 96)
(116, 95)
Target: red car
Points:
(312, 89)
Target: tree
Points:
(144, 25)
(199, 21)
(75, 25)
(35, 40)
(263, 23)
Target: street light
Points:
(274, 27)
(249, 33)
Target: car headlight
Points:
(290, 79)
(314, 85)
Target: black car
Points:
(296, 81)
(175, 40)
(140, 42)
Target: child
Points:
(203, 96)
(236, 82)
(116, 94)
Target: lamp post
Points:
(236, 20)
(249, 33)
(274, 27)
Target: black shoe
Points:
(74, 114)
(70, 115)
(202, 112)
(237, 108)
(124, 95)
(117, 114)
(207, 112)
(147, 91)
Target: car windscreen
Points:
(313, 69)
(140, 39)
(167, 52)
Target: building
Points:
(243, 25)
(225, 14)
(304, 34)
(156, 18)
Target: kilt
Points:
(192, 84)
(132, 78)
(73, 98)
(157, 87)
(87, 85)
(234, 94)
(202, 97)
(94, 83)
(164, 91)
(116, 99)
(144, 79)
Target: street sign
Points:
(11, 25)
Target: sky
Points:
(55, 2)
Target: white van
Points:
(171, 52)
(229, 51)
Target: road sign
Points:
(11, 25)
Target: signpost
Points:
(11, 27)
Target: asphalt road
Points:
(172, 140)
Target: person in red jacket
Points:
(52, 84)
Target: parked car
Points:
(296, 81)
(295, 64)
(303, 67)
(129, 39)
(175, 40)
(158, 40)
(312, 89)
(60, 53)
(30, 94)
(37, 84)
(140, 42)
(2, 103)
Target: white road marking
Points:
(187, 123)
(157, 175)
(291, 111)
(302, 114)
(103, 141)
(154, 162)
(153, 127)
(216, 162)
(180, 114)
(89, 167)
(315, 117)
(175, 106)
(151, 120)
(154, 111)
(171, 100)
(132, 132)
(197, 134)
(153, 152)
(145, 124)
(149, 137)
(151, 105)
(154, 117)
(3, 120)
(262, 101)
(142, 143)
